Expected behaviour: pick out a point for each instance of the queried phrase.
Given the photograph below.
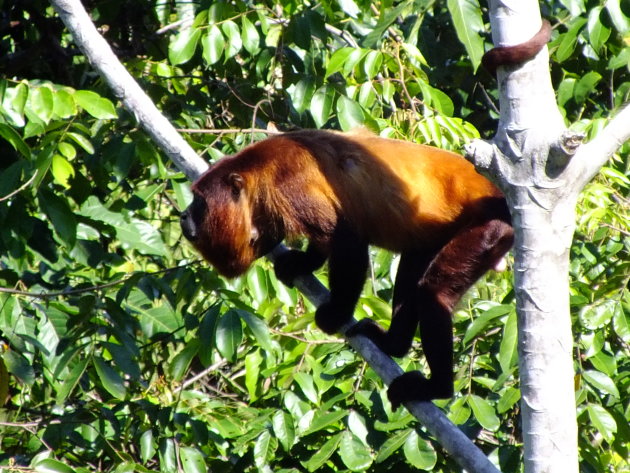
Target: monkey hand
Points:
(330, 317)
(370, 329)
(288, 266)
(413, 386)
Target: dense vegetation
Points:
(121, 351)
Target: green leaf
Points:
(372, 63)
(321, 105)
(167, 455)
(50, 465)
(324, 420)
(303, 94)
(62, 170)
(568, 40)
(507, 351)
(598, 315)
(485, 319)
(621, 324)
(338, 60)
(459, 411)
(283, 429)
(251, 38)
(263, 449)
(602, 382)
(253, 362)
(419, 452)
(183, 46)
(19, 366)
(356, 425)
(82, 141)
(40, 102)
(354, 454)
(15, 140)
(111, 380)
(585, 86)
(13, 103)
(598, 33)
(322, 455)
(305, 381)
(576, 7)
(367, 95)
(60, 215)
(349, 7)
(64, 105)
(153, 318)
(70, 381)
(229, 334)
(602, 421)
(213, 45)
(147, 446)
(352, 60)
(233, 35)
(468, 22)
(192, 460)
(134, 234)
(621, 21)
(67, 150)
(95, 105)
(392, 444)
(484, 413)
(258, 328)
(510, 397)
(349, 113)
(179, 366)
(207, 334)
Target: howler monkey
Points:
(345, 191)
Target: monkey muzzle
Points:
(189, 229)
(191, 217)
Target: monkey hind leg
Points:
(451, 273)
(398, 339)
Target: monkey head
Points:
(220, 222)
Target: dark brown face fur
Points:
(219, 222)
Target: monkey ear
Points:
(253, 236)
(235, 181)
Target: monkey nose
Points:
(188, 225)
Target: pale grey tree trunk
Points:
(541, 168)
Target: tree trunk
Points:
(528, 160)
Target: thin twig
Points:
(22, 187)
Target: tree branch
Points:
(591, 156)
(127, 89)
(453, 440)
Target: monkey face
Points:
(218, 223)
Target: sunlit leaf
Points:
(229, 334)
(354, 454)
(95, 105)
(213, 44)
(466, 15)
(419, 452)
(283, 429)
(183, 46)
(483, 412)
(192, 460)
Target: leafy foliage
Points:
(121, 351)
